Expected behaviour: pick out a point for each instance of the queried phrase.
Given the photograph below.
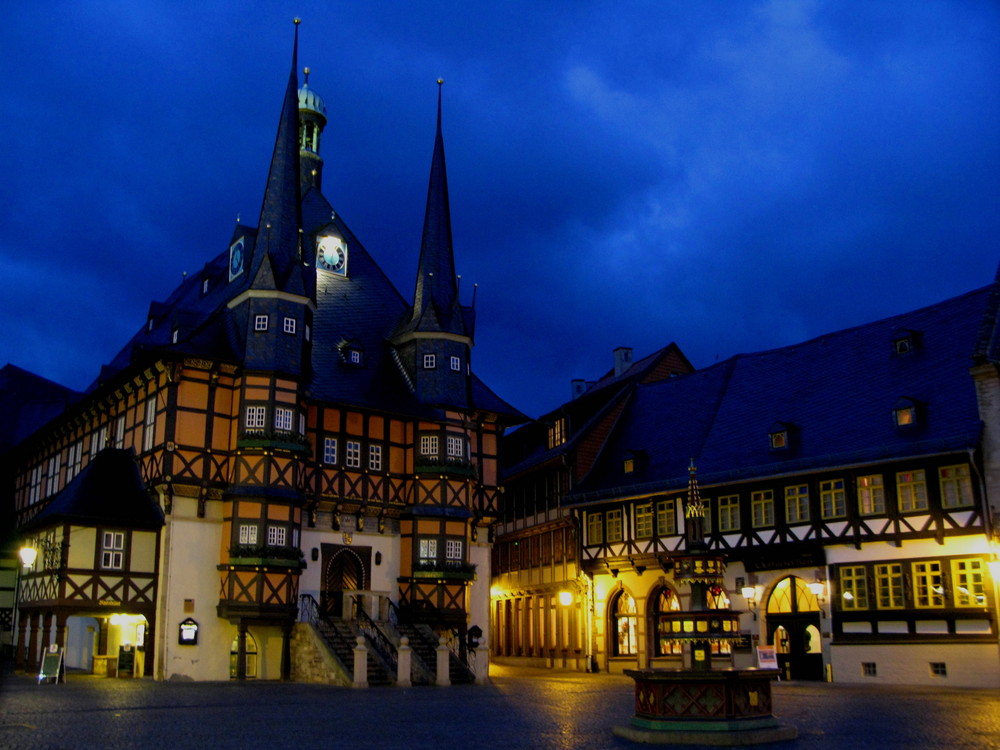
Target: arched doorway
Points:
(623, 625)
(793, 628)
(663, 601)
(344, 572)
(234, 651)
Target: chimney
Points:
(578, 386)
(623, 360)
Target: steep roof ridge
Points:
(615, 412)
(279, 235)
(435, 301)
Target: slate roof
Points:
(526, 447)
(27, 402)
(108, 491)
(362, 309)
(835, 392)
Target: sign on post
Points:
(766, 657)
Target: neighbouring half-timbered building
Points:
(851, 481)
(285, 442)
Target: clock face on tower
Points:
(331, 255)
(236, 259)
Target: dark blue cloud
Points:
(731, 177)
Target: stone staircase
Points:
(341, 639)
(424, 643)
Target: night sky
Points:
(730, 176)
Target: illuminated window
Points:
(967, 580)
(430, 361)
(149, 424)
(911, 491)
(35, 485)
(330, 450)
(778, 440)
(260, 323)
(644, 521)
(623, 625)
(666, 601)
(112, 550)
(288, 325)
(729, 513)
(595, 528)
(762, 507)
(956, 486)
(427, 549)
(120, 431)
(429, 446)
(248, 533)
(557, 432)
(889, 585)
(629, 465)
(74, 460)
(255, 417)
(666, 518)
(52, 475)
(353, 454)
(904, 413)
(797, 503)
(455, 445)
(614, 525)
(928, 591)
(276, 536)
(283, 419)
(853, 587)
(99, 441)
(871, 495)
(831, 498)
(375, 457)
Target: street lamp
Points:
(28, 556)
(750, 594)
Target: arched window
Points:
(718, 598)
(791, 594)
(623, 625)
(664, 601)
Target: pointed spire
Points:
(280, 211)
(435, 302)
(694, 512)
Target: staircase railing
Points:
(382, 645)
(308, 609)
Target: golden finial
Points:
(297, 21)
(440, 81)
(305, 70)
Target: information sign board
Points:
(52, 665)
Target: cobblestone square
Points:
(521, 708)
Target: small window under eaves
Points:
(779, 437)
(905, 341)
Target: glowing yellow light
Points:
(565, 598)
(496, 592)
(28, 556)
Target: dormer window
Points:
(175, 336)
(557, 432)
(430, 361)
(779, 437)
(634, 461)
(260, 323)
(905, 413)
(352, 353)
(204, 286)
(905, 341)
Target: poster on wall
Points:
(766, 658)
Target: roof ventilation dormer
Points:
(906, 413)
(781, 436)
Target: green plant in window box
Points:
(265, 554)
(444, 569)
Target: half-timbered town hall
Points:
(851, 481)
(289, 464)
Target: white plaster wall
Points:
(189, 557)
(479, 592)
(968, 665)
